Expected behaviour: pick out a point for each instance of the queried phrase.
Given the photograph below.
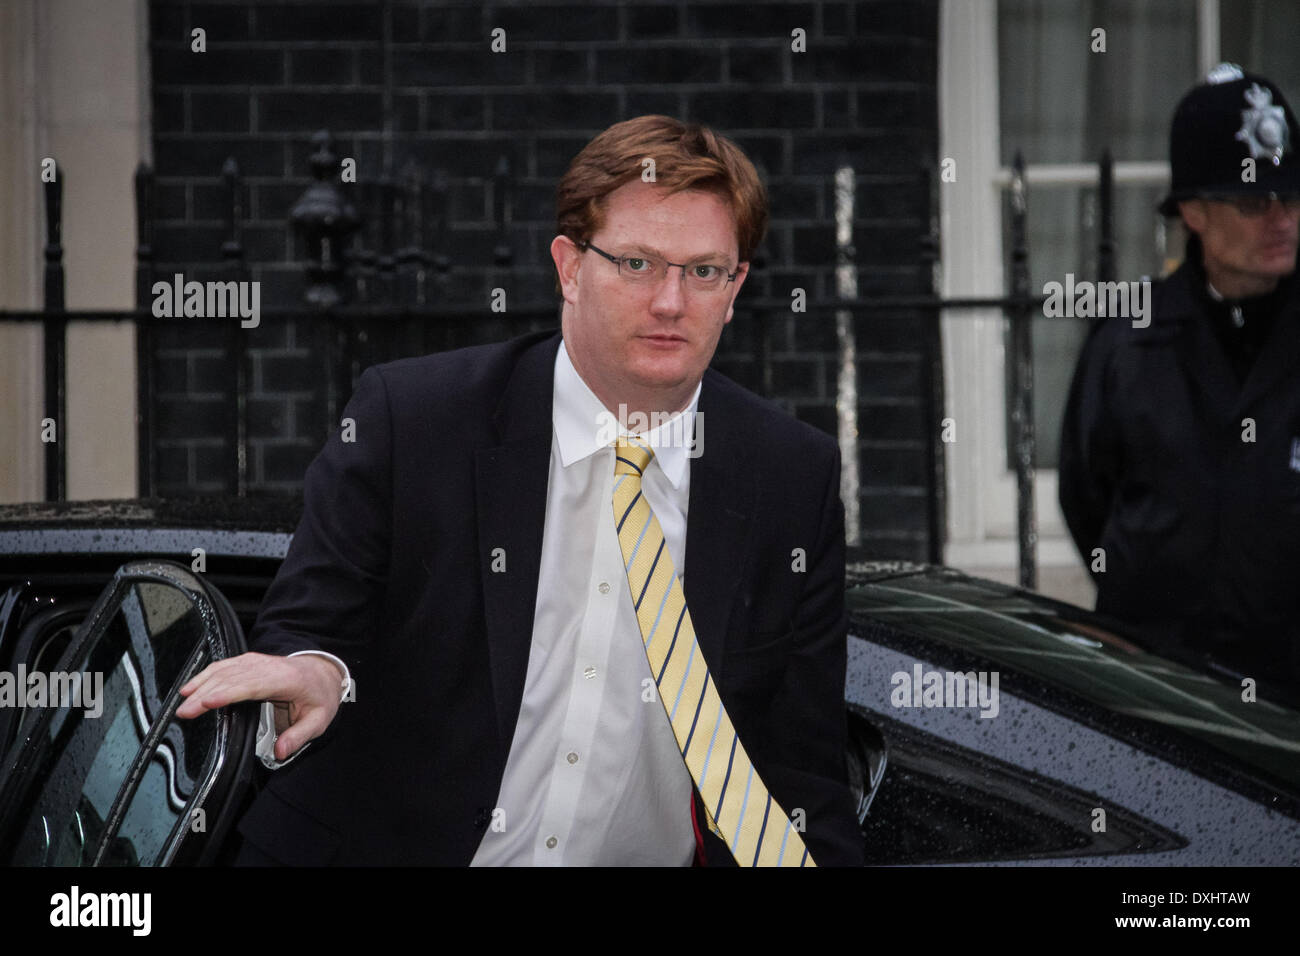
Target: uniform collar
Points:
(1199, 325)
(583, 426)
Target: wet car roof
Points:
(263, 513)
(253, 527)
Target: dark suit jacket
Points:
(391, 570)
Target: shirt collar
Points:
(583, 426)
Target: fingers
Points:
(306, 729)
(305, 690)
(225, 667)
(246, 677)
(300, 681)
(282, 721)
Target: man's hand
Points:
(305, 690)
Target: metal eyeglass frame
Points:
(584, 245)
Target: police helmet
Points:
(1232, 117)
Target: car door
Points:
(103, 773)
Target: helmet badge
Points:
(1263, 126)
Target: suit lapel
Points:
(512, 480)
(717, 522)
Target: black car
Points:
(987, 724)
(1013, 728)
(138, 596)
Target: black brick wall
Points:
(864, 92)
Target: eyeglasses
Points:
(703, 275)
(1255, 205)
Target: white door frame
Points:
(981, 490)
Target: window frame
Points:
(981, 529)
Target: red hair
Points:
(686, 156)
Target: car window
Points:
(171, 779)
(942, 803)
(109, 776)
(35, 630)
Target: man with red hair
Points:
(500, 562)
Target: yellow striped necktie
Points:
(740, 810)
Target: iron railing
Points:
(393, 265)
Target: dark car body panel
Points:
(1183, 770)
(1080, 707)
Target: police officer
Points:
(1180, 450)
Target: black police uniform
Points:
(1180, 449)
(1200, 527)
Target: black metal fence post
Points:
(503, 252)
(147, 461)
(436, 237)
(326, 222)
(932, 378)
(1022, 415)
(364, 258)
(234, 342)
(56, 356)
(1106, 235)
(326, 219)
(386, 261)
(409, 254)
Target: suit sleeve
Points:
(328, 593)
(813, 731)
(1089, 461)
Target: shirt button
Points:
(589, 673)
(572, 757)
(603, 587)
(550, 843)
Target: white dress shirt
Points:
(594, 775)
